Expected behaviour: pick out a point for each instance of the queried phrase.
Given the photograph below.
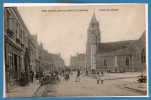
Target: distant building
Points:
(49, 61)
(58, 61)
(36, 53)
(45, 60)
(33, 53)
(78, 61)
(117, 56)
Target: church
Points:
(120, 56)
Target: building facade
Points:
(58, 62)
(16, 45)
(33, 50)
(78, 62)
(49, 62)
(36, 59)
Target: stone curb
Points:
(119, 78)
(39, 91)
(107, 78)
(138, 90)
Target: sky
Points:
(63, 29)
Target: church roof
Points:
(122, 47)
(114, 46)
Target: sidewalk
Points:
(139, 87)
(112, 76)
(23, 91)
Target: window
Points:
(127, 61)
(11, 25)
(143, 56)
(6, 19)
(17, 30)
(105, 64)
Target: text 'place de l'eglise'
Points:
(27, 60)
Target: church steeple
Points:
(94, 20)
(93, 41)
(94, 30)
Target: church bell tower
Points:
(93, 41)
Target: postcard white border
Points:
(78, 4)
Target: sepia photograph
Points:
(75, 50)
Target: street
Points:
(89, 87)
(115, 84)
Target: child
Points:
(98, 77)
(102, 80)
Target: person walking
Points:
(78, 76)
(31, 76)
(102, 73)
(86, 72)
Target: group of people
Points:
(99, 76)
(26, 78)
(49, 77)
(65, 75)
(68, 73)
